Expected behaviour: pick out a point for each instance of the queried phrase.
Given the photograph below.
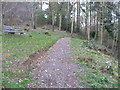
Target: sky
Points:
(45, 6)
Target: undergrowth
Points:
(100, 70)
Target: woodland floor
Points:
(55, 69)
(28, 61)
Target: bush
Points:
(92, 34)
(47, 33)
(91, 44)
(41, 20)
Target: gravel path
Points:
(55, 69)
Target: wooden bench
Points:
(12, 30)
(19, 31)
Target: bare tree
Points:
(73, 12)
(33, 16)
(86, 19)
(78, 16)
(41, 4)
(102, 5)
(1, 16)
(60, 22)
(53, 20)
(60, 15)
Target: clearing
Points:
(69, 62)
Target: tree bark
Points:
(72, 20)
(53, 21)
(33, 16)
(102, 24)
(86, 19)
(72, 25)
(90, 24)
(97, 26)
(41, 5)
(78, 16)
(117, 42)
(94, 20)
(113, 44)
(1, 17)
(68, 14)
(60, 22)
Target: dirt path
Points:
(55, 69)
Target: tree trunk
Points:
(86, 19)
(97, 26)
(94, 21)
(94, 24)
(72, 20)
(41, 5)
(101, 35)
(117, 41)
(78, 16)
(60, 22)
(113, 44)
(33, 16)
(1, 16)
(90, 24)
(72, 25)
(53, 21)
(68, 18)
(114, 39)
(102, 24)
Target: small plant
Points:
(109, 68)
(47, 33)
(103, 80)
(98, 67)
(92, 34)
(91, 44)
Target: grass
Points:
(23, 46)
(17, 49)
(100, 70)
